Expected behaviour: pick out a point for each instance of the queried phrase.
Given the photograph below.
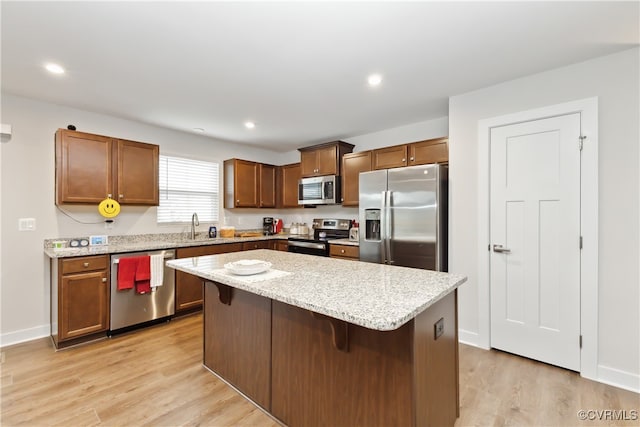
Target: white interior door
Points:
(535, 239)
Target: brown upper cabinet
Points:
(287, 184)
(352, 165)
(323, 159)
(91, 167)
(267, 186)
(416, 153)
(249, 184)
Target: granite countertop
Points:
(375, 296)
(149, 242)
(345, 242)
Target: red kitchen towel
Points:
(127, 272)
(143, 275)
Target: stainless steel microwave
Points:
(320, 190)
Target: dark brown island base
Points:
(306, 349)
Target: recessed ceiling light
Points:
(200, 130)
(54, 68)
(249, 125)
(374, 79)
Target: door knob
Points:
(500, 249)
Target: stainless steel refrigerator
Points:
(403, 216)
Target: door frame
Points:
(588, 109)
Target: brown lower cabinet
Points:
(188, 286)
(79, 299)
(344, 252)
(280, 245)
(258, 244)
(287, 361)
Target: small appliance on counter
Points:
(353, 234)
(268, 226)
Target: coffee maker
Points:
(267, 226)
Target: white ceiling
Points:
(297, 69)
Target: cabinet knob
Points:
(341, 251)
(238, 201)
(104, 279)
(404, 160)
(411, 159)
(121, 196)
(85, 264)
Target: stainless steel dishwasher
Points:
(129, 308)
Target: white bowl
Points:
(247, 267)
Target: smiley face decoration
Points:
(109, 208)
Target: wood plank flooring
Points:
(154, 377)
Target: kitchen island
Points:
(326, 341)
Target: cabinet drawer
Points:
(82, 264)
(261, 244)
(344, 251)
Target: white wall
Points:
(27, 165)
(28, 191)
(614, 79)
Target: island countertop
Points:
(375, 296)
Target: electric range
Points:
(324, 230)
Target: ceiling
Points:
(298, 70)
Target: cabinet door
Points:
(327, 159)
(83, 167)
(267, 186)
(280, 245)
(188, 286)
(308, 163)
(429, 151)
(289, 185)
(136, 172)
(246, 184)
(352, 165)
(83, 304)
(390, 157)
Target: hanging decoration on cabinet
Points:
(109, 208)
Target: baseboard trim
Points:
(24, 335)
(468, 337)
(618, 378)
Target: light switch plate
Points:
(26, 224)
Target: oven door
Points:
(308, 247)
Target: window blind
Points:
(188, 186)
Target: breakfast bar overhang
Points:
(333, 342)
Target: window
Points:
(188, 186)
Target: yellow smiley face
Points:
(109, 208)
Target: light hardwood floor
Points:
(155, 377)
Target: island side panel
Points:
(237, 340)
(314, 383)
(436, 364)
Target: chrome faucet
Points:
(194, 223)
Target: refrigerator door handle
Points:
(383, 228)
(387, 232)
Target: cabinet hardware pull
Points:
(342, 250)
(411, 159)
(404, 160)
(86, 264)
(122, 196)
(104, 279)
(238, 201)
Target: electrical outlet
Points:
(26, 224)
(438, 328)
